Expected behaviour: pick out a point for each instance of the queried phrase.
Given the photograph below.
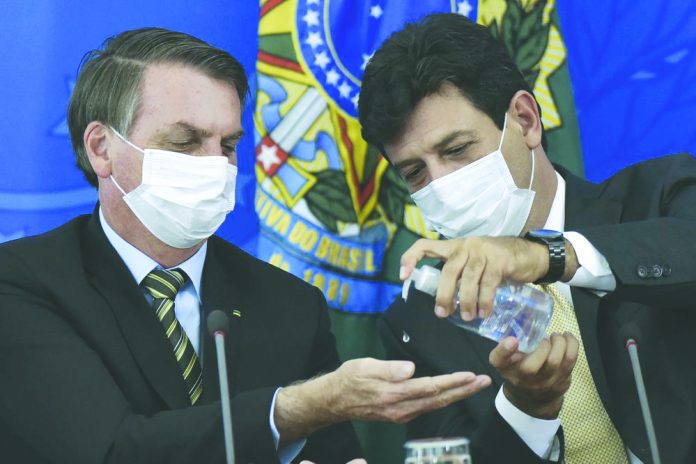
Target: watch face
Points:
(545, 233)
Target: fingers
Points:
(369, 389)
(469, 286)
(501, 357)
(471, 273)
(561, 358)
(536, 382)
(431, 386)
(534, 361)
(447, 286)
(407, 409)
(420, 249)
(572, 352)
(490, 281)
(554, 360)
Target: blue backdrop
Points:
(632, 64)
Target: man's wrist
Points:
(542, 252)
(571, 261)
(301, 409)
(554, 243)
(541, 408)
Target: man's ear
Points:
(97, 142)
(524, 108)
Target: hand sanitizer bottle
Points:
(519, 310)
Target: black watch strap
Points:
(556, 245)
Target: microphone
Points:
(218, 326)
(630, 333)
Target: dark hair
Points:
(416, 61)
(108, 82)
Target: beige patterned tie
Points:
(590, 436)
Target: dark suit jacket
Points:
(87, 374)
(643, 220)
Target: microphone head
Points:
(218, 322)
(630, 330)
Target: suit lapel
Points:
(585, 208)
(152, 351)
(219, 292)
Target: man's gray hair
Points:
(108, 82)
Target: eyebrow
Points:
(439, 146)
(197, 132)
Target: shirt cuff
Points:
(594, 271)
(290, 450)
(537, 434)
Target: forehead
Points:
(433, 118)
(170, 93)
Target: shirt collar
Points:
(140, 265)
(556, 219)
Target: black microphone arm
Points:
(630, 333)
(218, 326)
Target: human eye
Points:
(229, 150)
(180, 145)
(413, 175)
(457, 150)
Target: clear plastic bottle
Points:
(519, 310)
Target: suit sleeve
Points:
(492, 440)
(337, 443)
(650, 250)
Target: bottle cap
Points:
(424, 279)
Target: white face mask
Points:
(182, 199)
(478, 199)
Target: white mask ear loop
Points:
(531, 180)
(118, 134)
(500, 149)
(126, 140)
(116, 184)
(502, 136)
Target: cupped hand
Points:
(536, 382)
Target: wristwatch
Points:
(554, 240)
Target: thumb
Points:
(390, 371)
(502, 355)
(399, 370)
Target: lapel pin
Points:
(236, 313)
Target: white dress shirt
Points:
(187, 307)
(594, 273)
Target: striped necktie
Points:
(163, 285)
(590, 435)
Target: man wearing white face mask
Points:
(104, 357)
(445, 103)
(182, 199)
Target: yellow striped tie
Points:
(163, 285)
(590, 436)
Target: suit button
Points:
(666, 270)
(657, 271)
(642, 271)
